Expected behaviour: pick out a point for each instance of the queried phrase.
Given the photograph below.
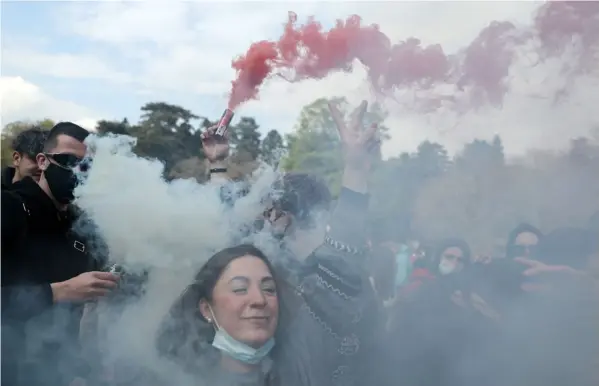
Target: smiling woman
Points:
(223, 325)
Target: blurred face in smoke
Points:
(295, 213)
(302, 237)
(525, 245)
(244, 302)
(452, 260)
(278, 221)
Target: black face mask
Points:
(62, 183)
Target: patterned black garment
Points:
(329, 340)
(329, 323)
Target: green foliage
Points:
(166, 132)
(245, 138)
(113, 127)
(272, 148)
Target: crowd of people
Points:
(339, 303)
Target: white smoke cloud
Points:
(171, 228)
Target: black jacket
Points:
(8, 173)
(39, 338)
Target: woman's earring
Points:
(209, 320)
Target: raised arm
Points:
(334, 282)
(346, 233)
(334, 288)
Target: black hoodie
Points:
(8, 173)
(39, 338)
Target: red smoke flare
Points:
(306, 51)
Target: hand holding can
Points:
(215, 142)
(223, 124)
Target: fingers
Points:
(209, 132)
(358, 116)
(337, 118)
(105, 284)
(97, 293)
(105, 276)
(532, 271)
(209, 136)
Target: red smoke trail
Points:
(308, 52)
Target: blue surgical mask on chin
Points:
(228, 345)
(241, 351)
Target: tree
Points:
(314, 145)
(478, 155)
(430, 160)
(166, 132)
(398, 181)
(272, 148)
(10, 132)
(245, 138)
(113, 127)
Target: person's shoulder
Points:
(7, 176)
(13, 203)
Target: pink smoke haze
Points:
(480, 70)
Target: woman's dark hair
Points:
(517, 231)
(449, 243)
(185, 334)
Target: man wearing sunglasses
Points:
(26, 146)
(47, 269)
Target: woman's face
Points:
(452, 260)
(244, 301)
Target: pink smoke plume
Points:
(307, 51)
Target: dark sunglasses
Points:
(70, 161)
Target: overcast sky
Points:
(84, 61)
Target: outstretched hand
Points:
(360, 144)
(536, 267)
(216, 147)
(544, 272)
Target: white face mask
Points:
(445, 267)
(238, 350)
